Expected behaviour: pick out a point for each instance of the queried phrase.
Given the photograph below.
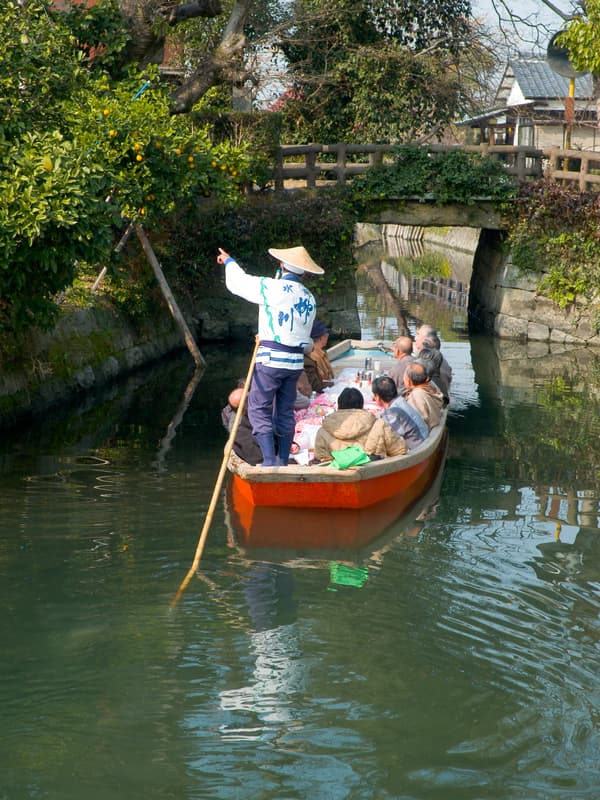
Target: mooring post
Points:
(168, 295)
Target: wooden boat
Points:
(267, 501)
(324, 532)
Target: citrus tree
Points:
(83, 153)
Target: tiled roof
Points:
(537, 80)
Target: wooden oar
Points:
(219, 482)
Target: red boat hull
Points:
(321, 514)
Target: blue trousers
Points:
(271, 400)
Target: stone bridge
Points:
(501, 300)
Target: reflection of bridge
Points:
(449, 291)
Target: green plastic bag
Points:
(352, 456)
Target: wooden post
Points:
(341, 164)
(168, 295)
(118, 248)
(310, 159)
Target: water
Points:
(457, 658)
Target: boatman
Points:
(285, 317)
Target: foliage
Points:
(264, 222)
(373, 70)
(449, 177)
(82, 154)
(581, 37)
(257, 132)
(554, 230)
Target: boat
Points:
(321, 506)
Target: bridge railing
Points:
(314, 165)
(580, 167)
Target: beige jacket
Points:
(356, 426)
(428, 401)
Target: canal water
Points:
(458, 658)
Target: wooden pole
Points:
(168, 295)
(219, 482)
(121, 244)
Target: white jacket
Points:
(287, 310)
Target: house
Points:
(529, 109)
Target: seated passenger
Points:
(402, 349)
(402, 418)
(423, 395)
(244, 444)
(427, 336)
(432, 360)
(352, 425)
(233, 402)
(316, 363)
(303, 391)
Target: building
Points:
(529, 109)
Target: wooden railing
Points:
(581, 167)
(314, 165)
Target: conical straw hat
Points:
(298, 259)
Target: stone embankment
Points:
(508, 302)
(502, 299)
(86, 349)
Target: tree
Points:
(581, 37)
(87, 145)
(378, 70)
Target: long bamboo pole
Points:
(219, 482)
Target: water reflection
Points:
(404, 281)
(458, 658)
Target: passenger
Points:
(402, 349)
(432, 360)
(427, 336)
(316, 363)
(402, 418)
(423, 395)
(244, 443)
(285, 318)
(233, 401)
(352, 425)
(303, 391)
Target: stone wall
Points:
(86, 349)
(506, 302)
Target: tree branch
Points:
(203, 8)
(224, 62)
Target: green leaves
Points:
(82, 152)
(581, 37)
(377, 71)
(554, 230)
(454, 177)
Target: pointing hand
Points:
(223, 256)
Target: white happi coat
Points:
(286, 314)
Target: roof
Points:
(479, 118)
(537, 80)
